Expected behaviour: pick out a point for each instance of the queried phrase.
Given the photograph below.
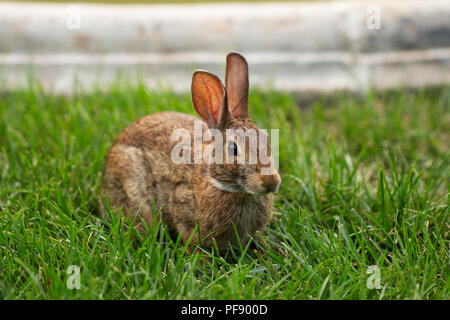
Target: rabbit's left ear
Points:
(236, 82)
(208, 98)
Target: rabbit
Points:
(207, 203)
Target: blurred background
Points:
(295, 46)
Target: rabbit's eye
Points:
(232, 149)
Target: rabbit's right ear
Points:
(236, 81)
(208, 97)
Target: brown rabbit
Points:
(215, 200)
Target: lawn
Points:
(365, 182)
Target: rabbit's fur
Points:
(219, 199)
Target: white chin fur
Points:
(222, 186)
(225, 187)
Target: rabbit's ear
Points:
(208, 97)
(236, 81)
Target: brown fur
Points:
(139, 169)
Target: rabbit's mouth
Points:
(263, 184)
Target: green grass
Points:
(365, 182)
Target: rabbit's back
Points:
(139, 171)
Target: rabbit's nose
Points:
(271, 182)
